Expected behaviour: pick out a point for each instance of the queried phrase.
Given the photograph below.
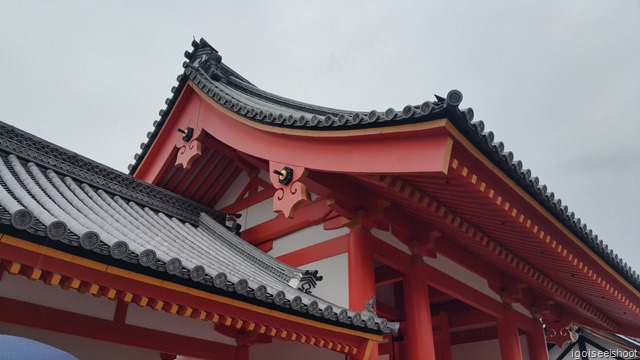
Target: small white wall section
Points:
(257, 214)
(304, 238)
(291, 350)
(489, 349)
(264, 175)
(334, 286)
(36, 292)
(80, 347)
(451, 268)
(163, 321)
(521, 309)
(234, 191)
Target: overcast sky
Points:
(557, 81)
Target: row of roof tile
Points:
(95, 220)
(206, 70)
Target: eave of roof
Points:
(87, 209)
(223, 85)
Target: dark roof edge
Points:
(31, 148)
(103, 254)
(206, 70)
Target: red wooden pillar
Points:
(419, 335)
(537, 343)
(362, 283)
(242, 352)
(508, 335)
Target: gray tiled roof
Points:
(205, 68)
(47, 192)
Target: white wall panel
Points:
(304, 238)
(489, 349)
(234, 190)
(36, 292)
(163, 321)
(291, 350)
(80, 347)
(334, 287)
(257, 214)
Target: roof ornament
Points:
(232, 223)
(306, 281)
(369, 305)
(187, 134)
(285, 175)
(211, 66)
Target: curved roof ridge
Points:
(205, 69)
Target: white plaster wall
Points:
(304, 238)
(451, 268)
(163, 321)
(388, 237)
(489, 350)
(334, 287)
(257, 214)
(264, 175)
(291, 350)
(36, 292)
(82, 348)
(234, 190)
(521, 309)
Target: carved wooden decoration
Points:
(291, 192)
(189, 145)
(560, 333)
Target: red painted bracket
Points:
(189, 150)
(560, 333)
(291, 191)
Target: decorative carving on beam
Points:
(291, 191)
(189, 145)
(560, 333)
